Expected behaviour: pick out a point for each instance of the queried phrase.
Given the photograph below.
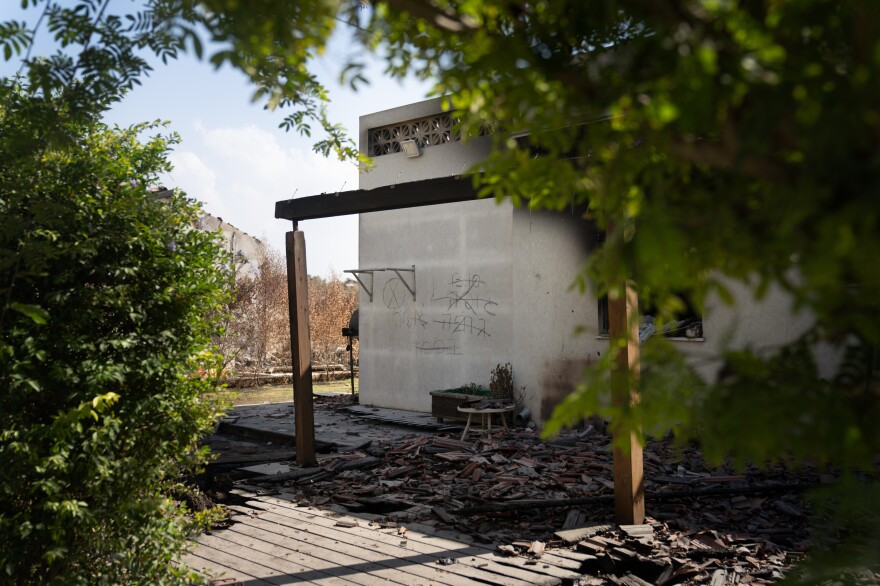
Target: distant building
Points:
(245, 249)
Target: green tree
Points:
(104, 293)
(104, 287)
(711, 139)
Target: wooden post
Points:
(300, 347)
(623, 329)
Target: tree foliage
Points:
(104, 288)
(331, 303)
(104, 291)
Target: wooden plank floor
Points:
(278, 542)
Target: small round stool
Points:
(485, 418)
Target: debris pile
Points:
(527, 495)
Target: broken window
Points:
(688, 323)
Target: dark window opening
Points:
(688, 323)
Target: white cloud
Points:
(199, 181)
(240, 172)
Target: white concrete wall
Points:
(459, 324)
(460, 320)
(549, 355)
(762, 325)
(552, 353)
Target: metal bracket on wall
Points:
(397, 272)
(356, 274)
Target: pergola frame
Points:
(623, 314)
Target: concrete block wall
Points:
(461, 320)
(555, 328)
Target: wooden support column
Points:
(623, 330)
(300, 347)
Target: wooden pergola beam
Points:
(391, 197)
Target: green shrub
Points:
(106, 294)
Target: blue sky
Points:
(235, 159)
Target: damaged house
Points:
(449, 291)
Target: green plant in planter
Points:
(473, 389)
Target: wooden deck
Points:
(282, 543)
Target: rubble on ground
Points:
(528, 495)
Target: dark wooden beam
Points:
(300, 348)
(391, 197)
(629, 476)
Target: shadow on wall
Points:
(560, 378)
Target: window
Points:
(687, 324)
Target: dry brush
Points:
(257, 334)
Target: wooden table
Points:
(485, 418)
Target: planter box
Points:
(444, 404)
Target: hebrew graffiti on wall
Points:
(459, 308)
(409, 318)
(463, 324)
(395, 296)
(449, 347)
(464, 296)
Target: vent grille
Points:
(427, 132)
